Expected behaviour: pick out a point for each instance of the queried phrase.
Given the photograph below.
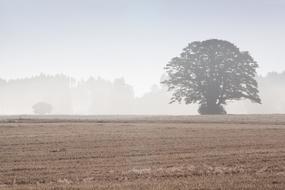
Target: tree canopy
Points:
(211, 73)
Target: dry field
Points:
(128, 152)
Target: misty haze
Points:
(142, 94)
(95, 96)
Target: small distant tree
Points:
(42, 108)
(211, 73)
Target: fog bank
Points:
(99, 96)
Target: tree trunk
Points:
(211, 106)
(211, 109)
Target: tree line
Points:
(99, 96)
(209, 74)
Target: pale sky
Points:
(133, 39)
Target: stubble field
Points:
(142, 152)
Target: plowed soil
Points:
(142, 152)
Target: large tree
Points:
(211, 73)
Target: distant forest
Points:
(98, 96)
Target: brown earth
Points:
(142, 152)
